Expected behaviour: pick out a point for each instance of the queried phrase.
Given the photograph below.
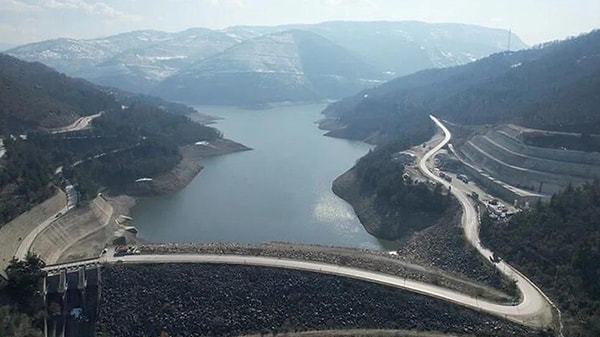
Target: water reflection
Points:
(280, 191)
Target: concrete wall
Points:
(497, 188)
(493, 144)
(500, 153)
(71, 228)
(512, 136)
(12, 233)
(550, 183)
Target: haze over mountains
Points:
(284, 63)
(550, 87)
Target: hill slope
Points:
(139, 61)
(557, 245)
(132, 61)
(33, 95)
(401, 48)
(531, 87)
(125, 143)
(289, 66)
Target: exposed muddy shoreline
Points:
(185, 171)
(175, 179)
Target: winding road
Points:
(79, 124)
(533, 300)
(534, 309)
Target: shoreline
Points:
(344, 187)
(184, 172)
(440, 245)
(119, 227)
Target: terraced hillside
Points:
(502, 153)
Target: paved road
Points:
(25, 245)
(535, 309)
(79, 124)
(534, 301)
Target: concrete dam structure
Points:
(71, 297)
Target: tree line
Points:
(404, 205)
(557, 244)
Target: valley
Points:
(384, 175)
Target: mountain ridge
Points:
(142, 60)
(292, 65)
(504, 87)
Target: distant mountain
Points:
(289, 66)
(139, 69)
(78, 57)
(552, 86)
(133, 61)
(6, 46)
(152, 61)
(34, 96)
(401, 48)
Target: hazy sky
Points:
(23, 21)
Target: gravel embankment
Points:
(201, 300)
(443, 247)
(359, 258)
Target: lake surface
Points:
(280, 191)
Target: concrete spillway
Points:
(72, 300)
(71, 228)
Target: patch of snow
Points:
(366, 80)
(163, 58)
(516, 65)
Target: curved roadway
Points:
(80, 124)
(535, 309)
(27, 242)
(533, 301)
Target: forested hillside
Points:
(558, 246)
(136, 136)
(552, 86)
(389, 205)
(33, 95)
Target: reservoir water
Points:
(279, 191)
